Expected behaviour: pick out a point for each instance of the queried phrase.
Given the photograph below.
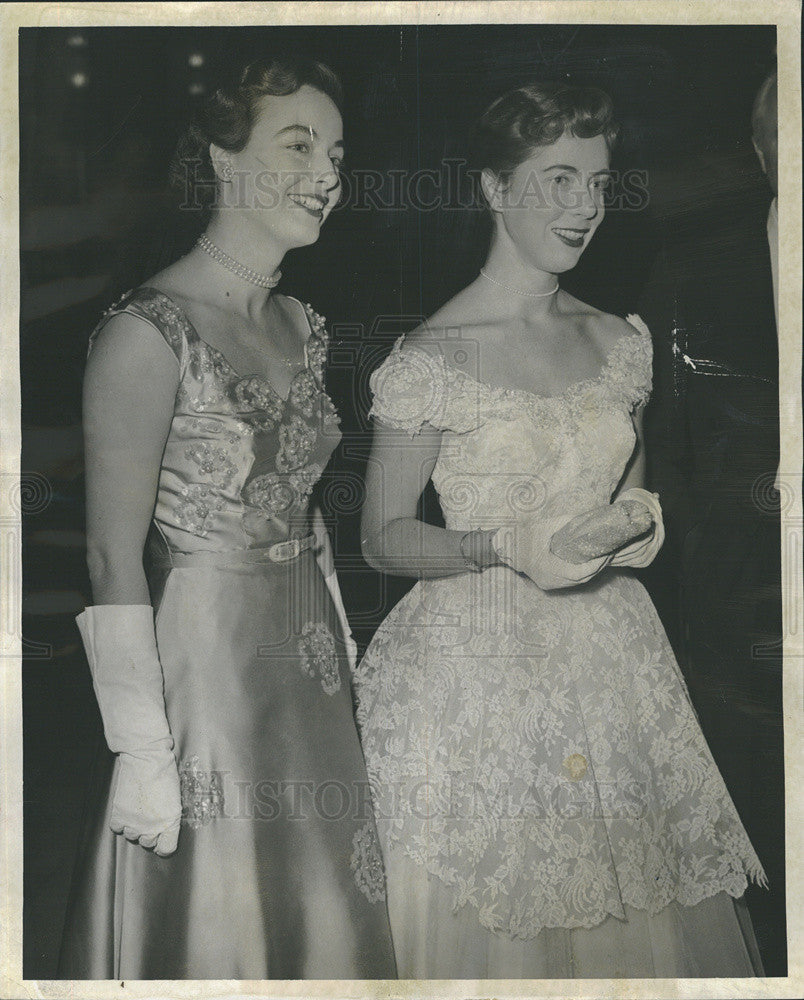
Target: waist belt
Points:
(279, 553)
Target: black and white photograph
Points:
(401, 473)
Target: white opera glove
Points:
(525, 547)
(326, 563)
(127, 677)
(643, 551)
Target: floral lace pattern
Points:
(201, 794)
(318, 656)
(366, 864)
(535, 750)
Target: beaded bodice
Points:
(240, 461)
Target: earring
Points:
(227, 171)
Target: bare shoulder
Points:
(604, 328)
(293, 314)
(610, 328)
(451, 325)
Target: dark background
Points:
(100, 110)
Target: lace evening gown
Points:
(278, 872)
(546, 801)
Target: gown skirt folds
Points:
(546, 801)
(278, 873)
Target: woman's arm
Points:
(129, 392)
(642, 552)
(393, 539)
(635, 470)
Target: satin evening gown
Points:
(278, 873)
(546, 801)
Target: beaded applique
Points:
(154, 308)
(259, 399)
(274, 494)
(317, 344)
(303, 480)
(270, 493)
(296, 440)
(201, 794)
(212, 462)
(197, 503)
(366, 864)
(303, 392)
(317, 655)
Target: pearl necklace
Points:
(517, 291)
(223, 258)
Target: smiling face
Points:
(288, 174)
(554, 201)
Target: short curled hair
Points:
(538, 114)
(228, 116)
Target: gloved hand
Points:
(643, 551)
(127, 677)
(525, 546)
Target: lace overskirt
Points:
(538, 753)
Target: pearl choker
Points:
(254, 277)
(518, 291)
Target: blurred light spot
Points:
(79, 79)
(197, 88)
(77, 41)
(575, 766)
(195, 59)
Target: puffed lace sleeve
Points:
(412, 389)
(636, 374)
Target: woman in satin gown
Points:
(546, 801)
(244, 845)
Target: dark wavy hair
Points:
(228, 116)
(538, 114)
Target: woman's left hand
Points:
(643, 551)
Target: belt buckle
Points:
(285, 551)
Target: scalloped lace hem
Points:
(686, 895)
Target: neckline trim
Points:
(262, 379)
(630, 340)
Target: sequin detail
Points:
(196, 504)
(201, 794)
(270, 492)
(304, 480)
(317, 655)
(212, 462)
(296, 440)
(366, 864)
(303, 392)
(257, 403)
(317, 344)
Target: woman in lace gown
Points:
(233, 837)
(546, 801)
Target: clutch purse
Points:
(601, 531)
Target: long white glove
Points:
(127, 676)
(643, 551)
(326, 564)
(525, 546)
